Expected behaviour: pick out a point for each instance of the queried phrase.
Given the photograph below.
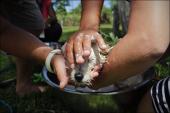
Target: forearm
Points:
(22, 44)
(90, 16)
(146, 41)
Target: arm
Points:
(23, 44)
(146, 41)
(91, 10)
(80, 42)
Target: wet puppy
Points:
(81, 75)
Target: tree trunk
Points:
(121, 16)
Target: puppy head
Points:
(81, 74)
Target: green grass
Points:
(55, 100)
(163, 69)
(69, 30)
(59, 102)
(8, 66)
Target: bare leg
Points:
(145, 105)
(24, 74)
(25, 70)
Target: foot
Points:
(25, 70)
(26, 89)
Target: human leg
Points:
(145, 106)
(26, 15)
(157, 99)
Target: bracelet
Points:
(49, 58)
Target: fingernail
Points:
(101, 65)
(79, 59)
(72, 66)
(95, 74)
(104, 46)
(62, 85)
(86, 52)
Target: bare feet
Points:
(25, 89)
(25, 70)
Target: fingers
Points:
(60, 71)
(97, 67)
(86, 46)
(78, 49)
(95, 71)
(100, 41)
(69, 54)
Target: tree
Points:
(120, 13)
(61, 10)
(106, 15)
(76, 10)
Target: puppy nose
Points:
(78, 77)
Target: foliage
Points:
(110, 38)
(69, 30)
(37, 77)
(7, 67)
(4, 61)
(67, 18)
(106, 15)
(163, 70)
(61, 7)
(61, 10)
(60, 102)
(72, 18)
(113, 3)
(76, 10)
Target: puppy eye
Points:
(92, 69)
(88, 60)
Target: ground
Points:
(55, 101)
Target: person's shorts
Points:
(22, 13)
(160, 93)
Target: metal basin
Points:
(121, 87)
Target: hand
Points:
(59, 67)
(78, 47)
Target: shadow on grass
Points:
(60, 102)
(54, 101)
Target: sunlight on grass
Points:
(69, 30)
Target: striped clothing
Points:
(160, 93)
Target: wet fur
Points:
(96, 57)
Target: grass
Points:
(55, 101)
(69, 30)
(163, 69)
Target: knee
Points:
(36, 32)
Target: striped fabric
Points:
(160, 93)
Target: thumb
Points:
(60, 71)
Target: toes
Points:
(42, 88)
(22, 91)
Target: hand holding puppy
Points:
(78, 47)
